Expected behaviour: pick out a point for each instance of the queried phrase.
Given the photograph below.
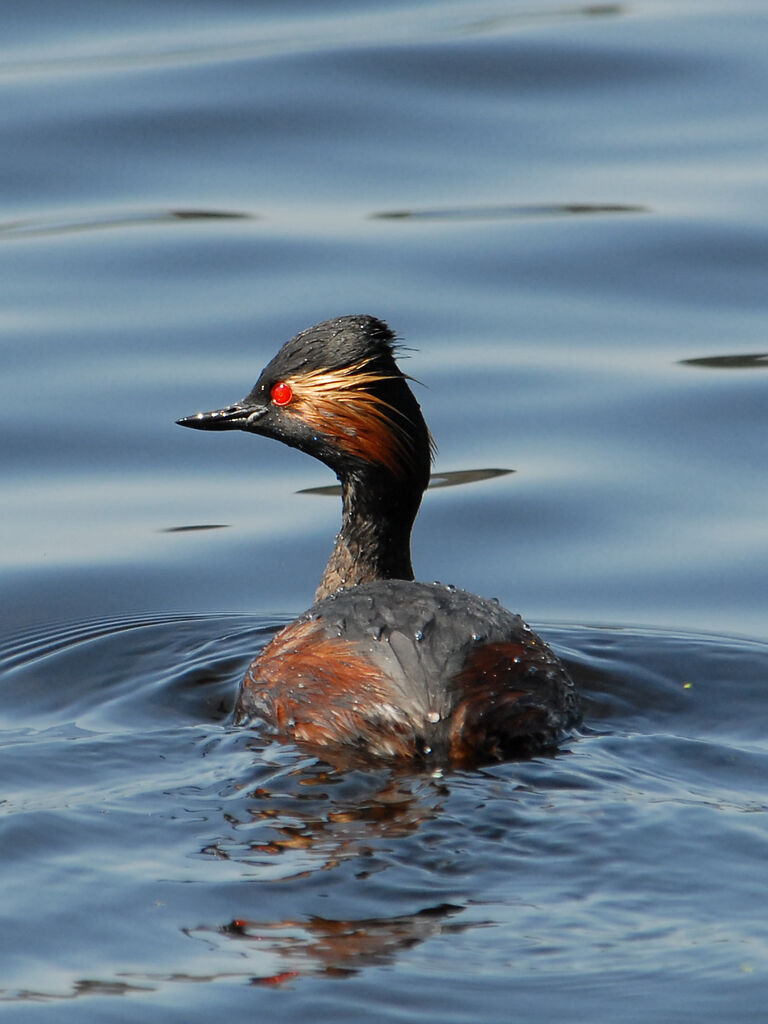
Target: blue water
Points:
(562, 212)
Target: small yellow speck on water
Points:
(687, 686)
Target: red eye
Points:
(281, 393)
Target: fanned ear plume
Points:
(340, 404)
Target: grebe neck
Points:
(374, 543)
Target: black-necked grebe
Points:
(380, 664)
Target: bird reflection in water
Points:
(344, 814)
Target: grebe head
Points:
(335, 392)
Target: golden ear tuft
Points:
(342, 405)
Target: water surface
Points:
(561, 211)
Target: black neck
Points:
(375, 538)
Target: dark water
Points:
(562, 209)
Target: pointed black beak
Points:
(239, 416)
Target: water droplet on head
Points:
(433, 716)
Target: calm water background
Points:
(562, 210)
